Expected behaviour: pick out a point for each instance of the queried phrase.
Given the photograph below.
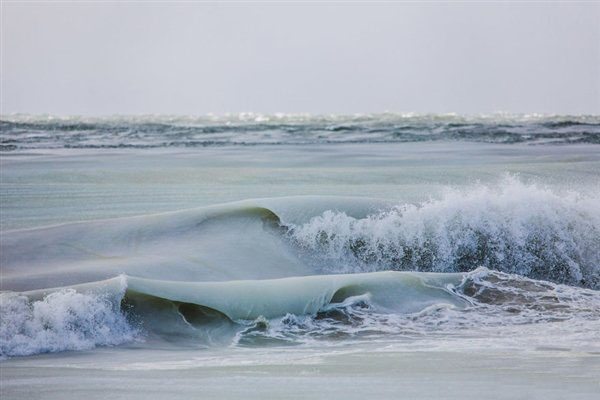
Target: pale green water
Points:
(548, 354)
(49, 187)
(355, 373)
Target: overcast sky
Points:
(195, 58)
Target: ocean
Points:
(298, 256)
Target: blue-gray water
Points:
(344, 255)
(31, 132)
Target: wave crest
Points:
(513, 227)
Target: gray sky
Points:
(196, 58)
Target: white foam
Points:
(513, 227)
(64, 320)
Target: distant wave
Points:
(22, 132)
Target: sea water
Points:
(252, 256)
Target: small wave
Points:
(63, 320)
(513, 227)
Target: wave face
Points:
(513, 227)
(21, 132)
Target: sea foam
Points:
(63, 320)
(513, 227)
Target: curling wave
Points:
(301, 310)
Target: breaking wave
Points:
(293, 271)
(512, 227)
(290, 311)
(63, 320)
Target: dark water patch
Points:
(155, 131)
